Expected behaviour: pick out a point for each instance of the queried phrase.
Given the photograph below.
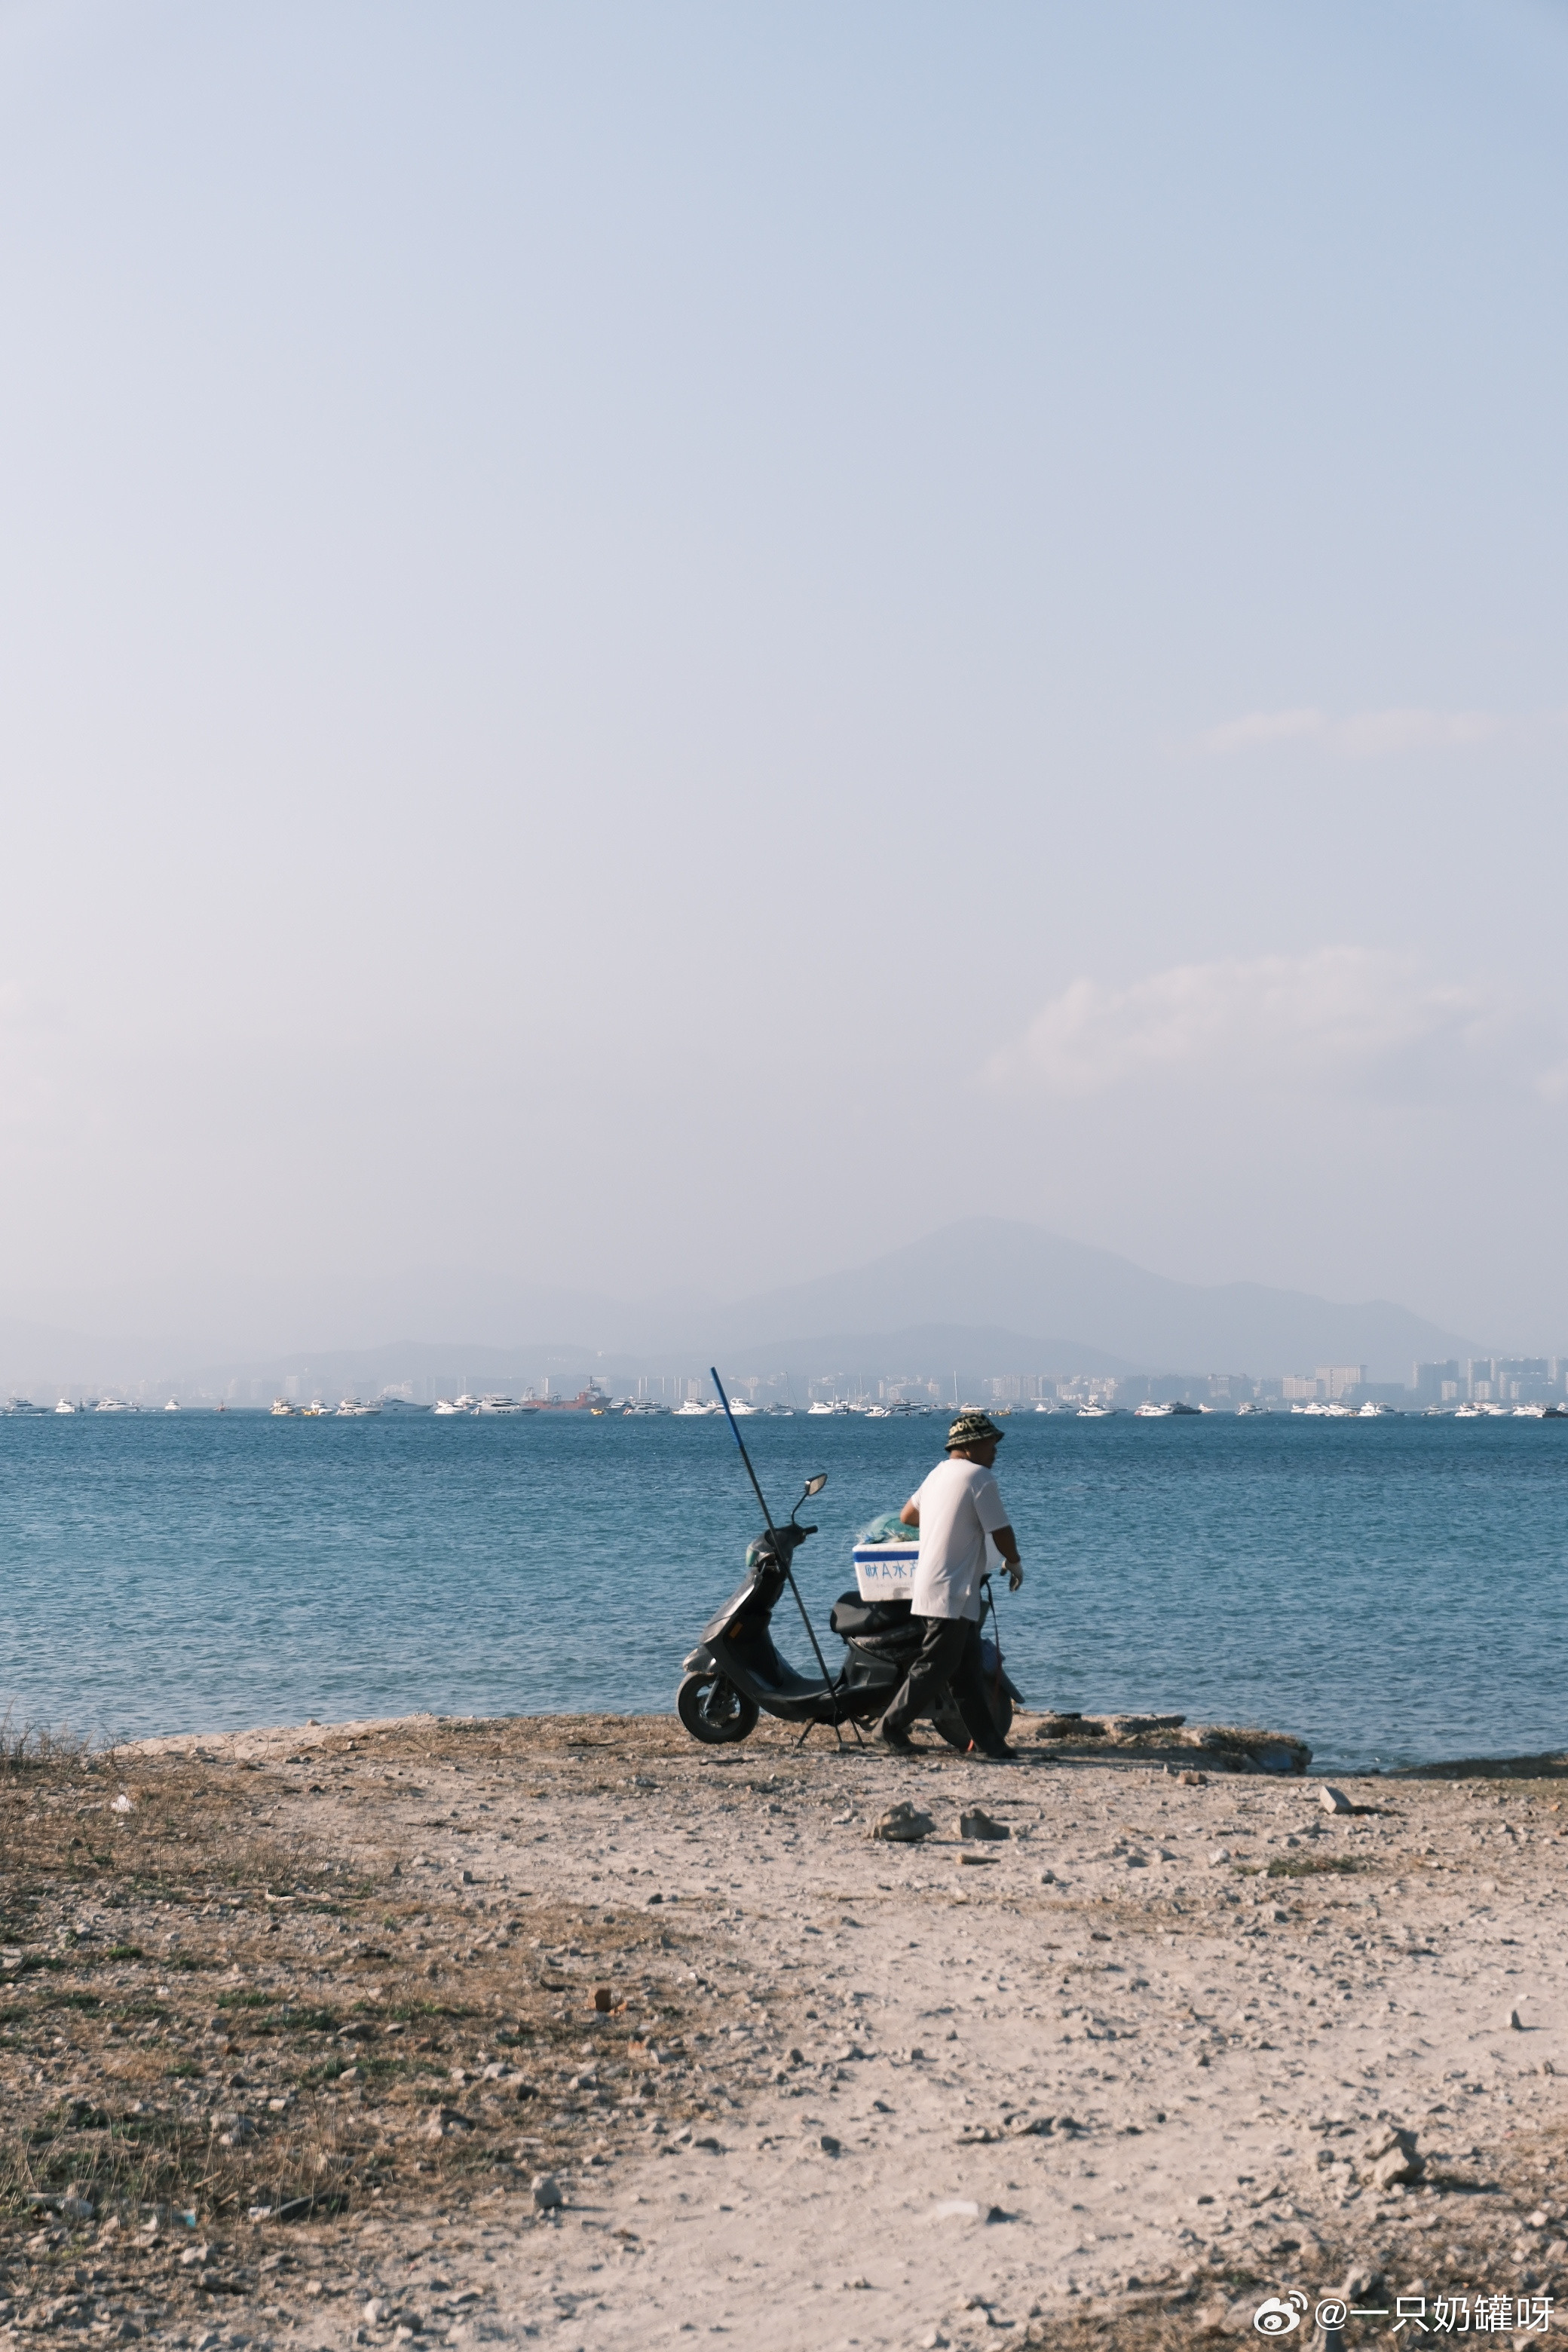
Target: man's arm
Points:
(909, 1517)
(1006, 1543)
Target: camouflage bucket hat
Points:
(973, 1429)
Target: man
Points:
(955, 1509)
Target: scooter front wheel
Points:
(714, 1711)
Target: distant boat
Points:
(879, 1413)
(1147, 1410)
(639, 1406)
(1370, 1412)
(1468, 1412)
(171, 1406)
(739, 1407)
(317, 1410)
(1093, 1413)
(351, 1409)
(115, 1404)
(818, 1404)
(1530, 1413)
(497, 1405)
(443, 1405)
(65, 1406)
(281, 1408)
(692, 1409)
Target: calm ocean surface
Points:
(1390, 1592)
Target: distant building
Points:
(1302, 1387)
(1435, 1383)
(1338, 1380)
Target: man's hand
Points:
(1014, 1575)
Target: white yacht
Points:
(497, 1405)
(692, 1409)
(65, 1405)
(639, 1405)
(354, 1408)
(171, 1406)
(739, 1407)
(1530, 1413)
(281, 1409)
(1370, 1412)
(1468, 1412)
(445, 1405)
(1147, 1410)
(317, 1410)
(114, 1404)
(879, 1413)
(820, 1404)
(1092, 1412)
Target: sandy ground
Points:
(1114, 2078)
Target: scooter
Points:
(737, 1673)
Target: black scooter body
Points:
(736, 1672)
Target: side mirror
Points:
(814, 1485)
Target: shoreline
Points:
(1127, 2060)
(1194, 1741)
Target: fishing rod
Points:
(781, 1550)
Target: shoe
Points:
(999, 1754)
(891, 1737)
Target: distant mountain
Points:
(986, 1295)
(991, 1271)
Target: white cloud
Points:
(1341, 1020)
(1364, 735)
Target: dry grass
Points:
(205, 2011)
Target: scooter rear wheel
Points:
(955, 1731)
(714, 1711)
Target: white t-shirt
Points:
(960, 1504)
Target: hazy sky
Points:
(664, 645)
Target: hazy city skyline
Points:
(656, 652)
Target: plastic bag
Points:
(889, 1528)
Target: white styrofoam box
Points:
(885, 1571)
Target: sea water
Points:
(1390, 1590)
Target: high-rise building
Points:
(1336, 1380)
(1435, 1383)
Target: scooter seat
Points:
(854, 1619)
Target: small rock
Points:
(1194, 1780)
(548, 2196)
(955, 2208)
(903, 1825)
(829, 2145)
(974, 1823)
(1218, 1856)
(1516, 2022)
(1390, 2156)
(374, 2312)
(1333, 1800)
